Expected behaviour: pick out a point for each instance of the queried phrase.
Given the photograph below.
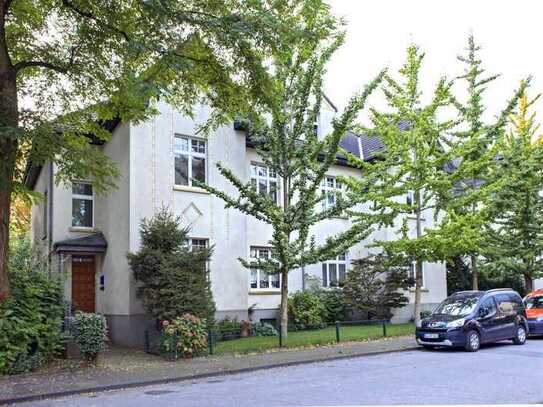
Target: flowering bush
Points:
(184, 336)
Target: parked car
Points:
(469, 318)
(534, 311)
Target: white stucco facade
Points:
(144, 154)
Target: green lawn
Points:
(316, 337)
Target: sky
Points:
(379, 31)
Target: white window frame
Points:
(190, 154)
(413, 273)
(330, 190)
(85, 197)
(255, 175)
(259, 271)
(340, 259)
(191, 245)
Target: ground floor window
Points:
(413, 273)
(259, 279)
(334, 271)
(199, 244)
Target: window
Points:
(264, 180)
(507, 304)
(45, 214)
(259, 279)
(330, 188)
(410, 200)
(413, 273)
(82, 205)
(333, 271)
(190, 160)
(487, 308)
(199, 244)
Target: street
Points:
(497, 374)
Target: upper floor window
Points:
(410, 200)
(190, 160)
(264, 180)
(334, 271)
(259, 279)
(199, 244)
(330, 189)
(82, 205)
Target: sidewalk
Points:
(120, 368)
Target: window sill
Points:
(412, 217)
(187, 188)
(265, 292)
(82, 229)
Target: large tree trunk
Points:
(474, 273)
(284, 303)
(9, 119)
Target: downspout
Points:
(303, 278)
(50, 215)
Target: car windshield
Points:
(533, 302)
(457, 306)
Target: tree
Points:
(477, 146)
(289, 145)
(171, 276)
(409, 177)
(376, 284)
(68, 67)
(516, 235)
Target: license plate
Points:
(431, 336)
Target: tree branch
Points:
(27, 64)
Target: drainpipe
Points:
(50, 215)
(303, 278)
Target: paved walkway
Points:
(121, 368)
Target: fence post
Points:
(147, 344)
(210, 340)
(337, 331)
(280, 336)
(384, 328)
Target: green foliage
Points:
(459, 278)
(477, 144)
(306, 311)
(31, 319)
(515, 239)
(228, 328)
(413, 133)
(184, 336)
(289, 146)
(332, 299)
(172, 278)
(376, 284)
(263, 329)
(90, 334)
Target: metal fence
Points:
(234, 339)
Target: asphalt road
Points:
(497, 374)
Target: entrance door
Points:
(83, 283)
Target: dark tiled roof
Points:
(95, 243)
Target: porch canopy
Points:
(95, 243)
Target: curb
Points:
(143, 383)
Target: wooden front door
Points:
(83, 283)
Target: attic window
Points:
(82, 205)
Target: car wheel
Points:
(473, 341)
(520, 335)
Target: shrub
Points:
(306, 311)
(90, 334)
(333, 303)
(171, 277)
(185, 335)
(263, 329)
(31, 318)
(228, 328)
(375, 285)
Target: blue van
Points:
(469, 318)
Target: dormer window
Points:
(82, 205)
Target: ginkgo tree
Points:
(289, 146)
(515, 243)
(409, 177)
